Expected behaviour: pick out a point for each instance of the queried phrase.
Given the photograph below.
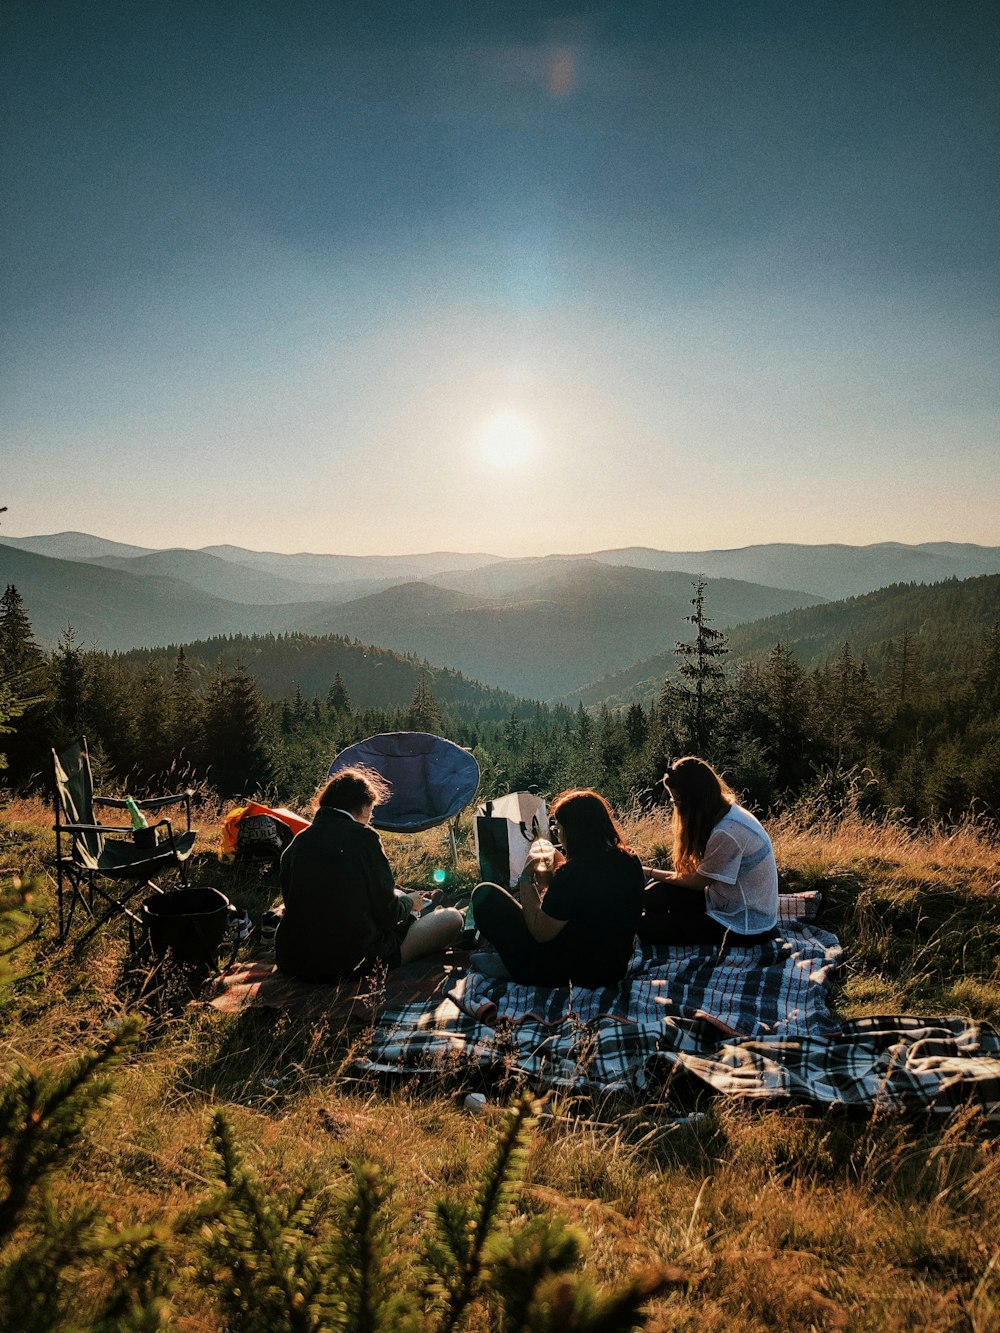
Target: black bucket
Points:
(191, 923)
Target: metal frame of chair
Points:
(92, 857)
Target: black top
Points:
(600, 899)
(340, 909)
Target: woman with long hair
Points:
(724, 881)
(576, 911)
(343, 912)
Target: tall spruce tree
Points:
(238, 742)
(152, 728)
(19, 653)
(787, 707)
(338, 700)
(24, 685)
(424, 712)
(68, 688)
(702, 671)
(185, 712)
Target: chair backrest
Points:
(431, 778)
(74, 798)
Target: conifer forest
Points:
(906, 734)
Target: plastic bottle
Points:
(135, 814)
(544, 852)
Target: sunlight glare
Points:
(508, 441)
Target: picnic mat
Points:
(754, 1023)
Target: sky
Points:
(507, 277)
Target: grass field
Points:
(771, 1218)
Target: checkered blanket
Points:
(754, 1022)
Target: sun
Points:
(508, 440)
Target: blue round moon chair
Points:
(432, 779)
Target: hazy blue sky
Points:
(511, 277)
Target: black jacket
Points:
(340, 909)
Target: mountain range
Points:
(830, 571)
(540, 627)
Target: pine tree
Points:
(300, 709)
(701, 669)
(787, 708)
(238, 741)
(986, 674)
(905, 669)
(68, 683)
(424, 713)
(636, 728)
(185, 711)
(154, 741)
(23, 690)
(19, 653)
(338, 700)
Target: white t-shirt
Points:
(739, 860)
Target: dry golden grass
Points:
(783, 1218)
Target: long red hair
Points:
(587, 823)
(701, 798)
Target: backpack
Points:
(259, 837)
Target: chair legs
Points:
(115, 907)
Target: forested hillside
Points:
(939, 627)
(549, 626)
(282, 663)
(913, 739)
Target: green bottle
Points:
(135, 814)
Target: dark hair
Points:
(352, 789)
(701, 799)
(587, 824)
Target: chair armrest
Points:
(155, 802)
(93, 828)
(152, 803)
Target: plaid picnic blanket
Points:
(754, 1023)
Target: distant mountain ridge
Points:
(831, 571)
(573, 621)
(538, 627)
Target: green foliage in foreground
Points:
(292, 1262)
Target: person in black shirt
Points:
(343, 913)
(575, 916)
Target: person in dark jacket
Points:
(343, 912)
(575, 916)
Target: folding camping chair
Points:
(87, 852)
(432, 779)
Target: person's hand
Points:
(544, 860)
(661, 876)
(420, 901)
